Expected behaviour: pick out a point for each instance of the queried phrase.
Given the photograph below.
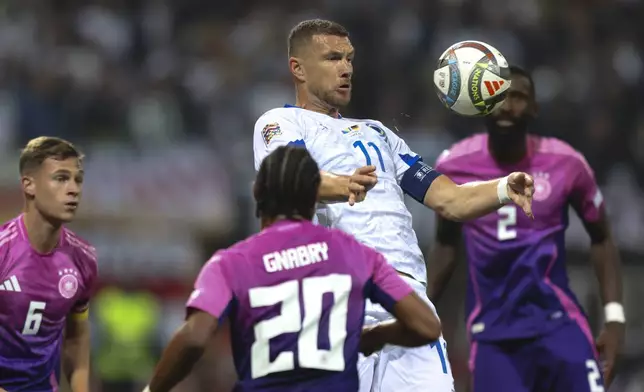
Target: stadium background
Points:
(162, 96)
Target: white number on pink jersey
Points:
(288, 321)
(507, 220)
(34, 318)
(594, 377)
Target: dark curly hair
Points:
(287, 184)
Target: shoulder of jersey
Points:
(554, 146)
(365, 120)
(464, 148)
(80, 246)
(9, 233)
(290, 112)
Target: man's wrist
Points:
(502, 191)
(614, 313)
(334, 188)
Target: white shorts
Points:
(401, 369)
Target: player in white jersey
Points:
(320, 61)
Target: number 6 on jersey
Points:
(34, 318)
(288, 321)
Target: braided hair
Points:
(287, 184)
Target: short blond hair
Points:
(43, 147)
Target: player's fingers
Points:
(608, 375)
(356, 188)
(363, 179)
(366, 169)
(352, 198)
(526, 206)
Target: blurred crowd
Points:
(163, 95)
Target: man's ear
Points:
(297, 68)
(28, 185)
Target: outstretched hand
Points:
(520, 190)
(360, 182)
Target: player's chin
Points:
(342, 97)
(67, 215)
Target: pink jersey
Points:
(37, 293)
(295, 294)
(518, 285)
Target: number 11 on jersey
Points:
(359, 144)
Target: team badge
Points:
(270, 131)
(381, 132)
(68, 283)
(542, 187)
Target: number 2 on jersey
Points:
(361, 146)
(507, 220)
(34, 318)
(288, 321)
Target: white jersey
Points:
(340, 146)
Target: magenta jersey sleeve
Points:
(387, 287)
(212, 291)
(89, 272)
(585, 196)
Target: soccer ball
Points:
(472, 78)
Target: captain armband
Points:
(417, 180)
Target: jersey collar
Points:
(288, 105)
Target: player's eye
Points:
(61, 178)
(79, 180)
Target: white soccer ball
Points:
(472, 78)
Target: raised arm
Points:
(456, 202)
(340, 188)
(275, 129)
(475, 199)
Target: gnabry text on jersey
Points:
(300, 256)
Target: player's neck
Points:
(307, 101)
(267, 222)
(43, 235)
(509, 153)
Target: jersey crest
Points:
(270, 131)
(542, 187)
(68, 283)
(380, 131)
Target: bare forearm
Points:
(177, 361)
(77, 359)
(395, 333)
(468, 201)
(607, 264)
(440, 271)
(333, 188)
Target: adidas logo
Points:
(11, 284)
(493, 87)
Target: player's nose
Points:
(73, 189)
(347, 71)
